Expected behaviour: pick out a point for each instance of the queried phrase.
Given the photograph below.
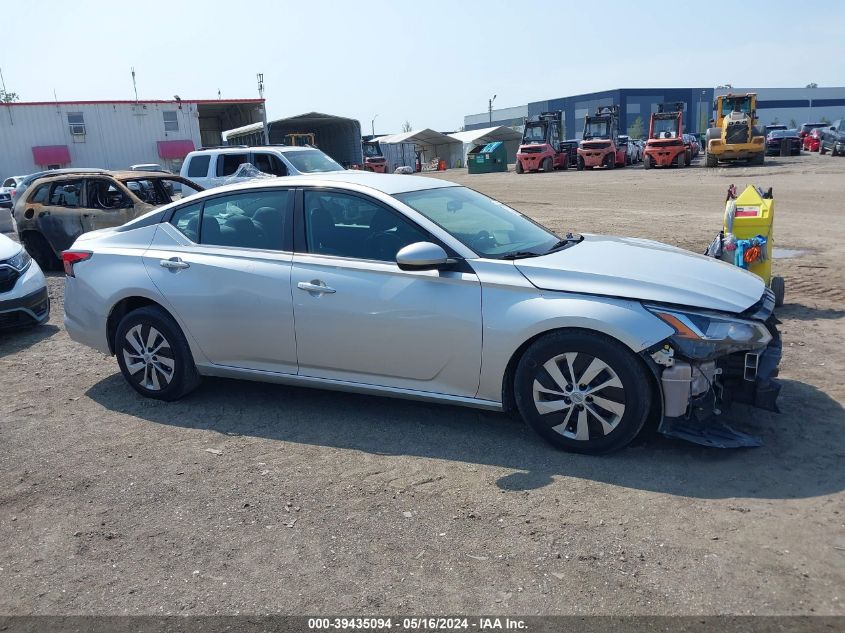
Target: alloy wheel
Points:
(580, 395)
(148, 357)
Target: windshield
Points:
(311, 161)
(665, 128)
(740, 104)
(597, 129)
(535, 133)
(488, 227)
(371, 150)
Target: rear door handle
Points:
(315, 287)
(174, 263)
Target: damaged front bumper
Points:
(698, 394)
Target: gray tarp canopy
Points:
(472, 138)
(337, 136)
(432, 144)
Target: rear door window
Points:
(66, 194)
(227, 164)
(250, 219)
(198, 167)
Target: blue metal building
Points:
(789, 106)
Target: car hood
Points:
(8, 248)
(644, 270)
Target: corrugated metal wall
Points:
(116, 135)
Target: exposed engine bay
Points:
(699, 387)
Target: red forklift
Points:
(665, 146)
(599, 145)
(374, 160)
(541, 144)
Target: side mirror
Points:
(421, 256)
(832, 128)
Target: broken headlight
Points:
(20, 261)
(707, 335)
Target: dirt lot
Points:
(315, 502)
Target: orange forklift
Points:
(541, 144)
(665, 146)
(599, 145)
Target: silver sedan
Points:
(418, 288)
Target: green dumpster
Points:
(484, 159)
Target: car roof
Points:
(389, 184)
(125, 174)
(66, 170)
(240, 149)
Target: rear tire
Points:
(822, 150)
(647, 162)
(681, 160)
(611, 161)
(548, 165)
(582, 391)
(519, 168)
(41, 251)
(580, 165)
(154, 356)
(710, 160)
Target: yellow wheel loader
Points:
(735, 135)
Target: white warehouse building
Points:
(114, 134)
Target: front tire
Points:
(41, 251)
(154, 356)
(582, 391)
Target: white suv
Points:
(217, 166)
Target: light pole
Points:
(490, 109)
(373, 124)
(260, 78)
(701, 119)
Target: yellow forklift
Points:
(300, 139)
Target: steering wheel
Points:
(483, 240)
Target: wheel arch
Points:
(123, 307)
(508, 397)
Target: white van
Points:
(216, 166)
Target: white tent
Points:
(432, 144)
(473, 138)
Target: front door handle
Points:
(174, 263)
(316, 287)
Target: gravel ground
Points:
(255, 498)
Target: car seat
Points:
(272, 226)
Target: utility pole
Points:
(134, 85)
(373, 124)
(490, 109)
(260, 78)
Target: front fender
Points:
(511, 319)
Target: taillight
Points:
(69, 258)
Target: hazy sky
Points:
(429, 62)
